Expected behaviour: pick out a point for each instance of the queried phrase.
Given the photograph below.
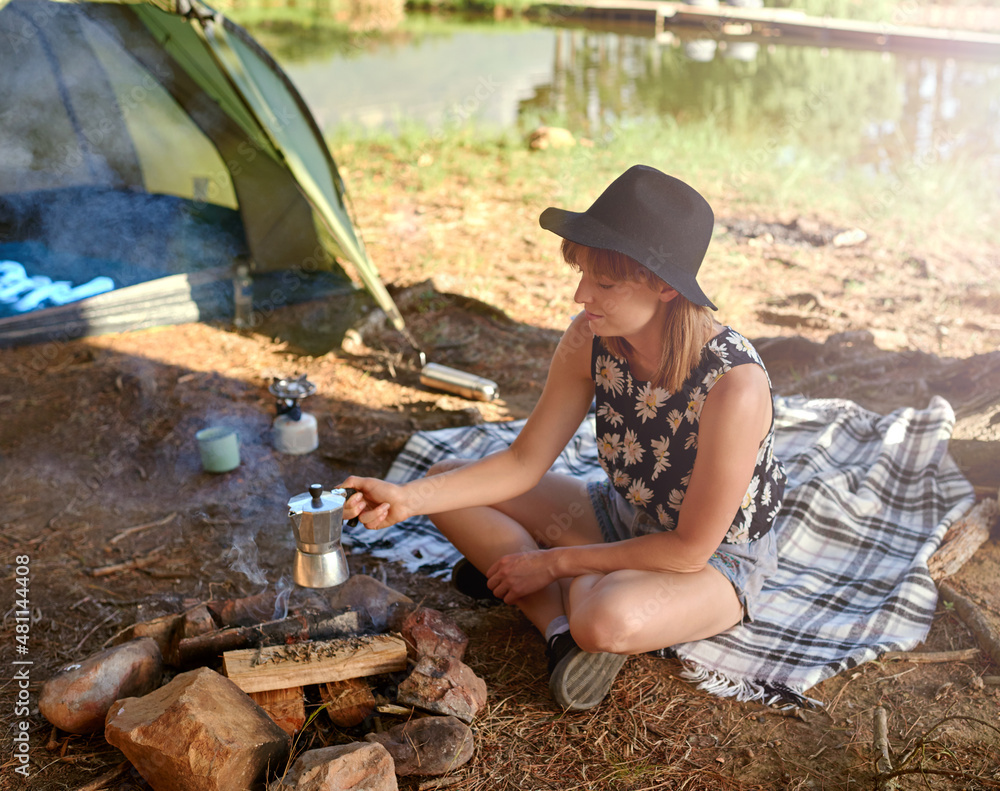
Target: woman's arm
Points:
(734, 419)
(500, 476)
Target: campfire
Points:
(213, 697)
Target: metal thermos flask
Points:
(451, 380)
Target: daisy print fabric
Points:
(647, 438)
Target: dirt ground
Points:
(101, 488)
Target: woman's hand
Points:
(513, 577)
(377, 504)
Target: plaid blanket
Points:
(868, 500)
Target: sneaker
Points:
(579, 680)
(467, 579)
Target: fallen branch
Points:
(963, 538)
(205, 648)
(931, 657)
(106, 779)
(77, 757)
(394, 709)
(983, 631)
(128, 565)
(139, 528)
(86, 637)
(953, 775)
(884, 778)
(439, 782)
(880, 745)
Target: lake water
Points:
(870, 110)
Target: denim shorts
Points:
(746, 566)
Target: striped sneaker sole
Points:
(581, 680)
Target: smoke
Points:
(243, 558)
(284, 588)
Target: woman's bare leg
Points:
(494, 535)
(609, 615)
(557, 512)
(630, 612)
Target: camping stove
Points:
(317, 519)
(293, 430)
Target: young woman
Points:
(674, 545)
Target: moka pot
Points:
(317, 520)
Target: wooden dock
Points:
(790, 26)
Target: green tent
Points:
(146, 150)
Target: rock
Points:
(353, 343)
(444, 686)
(851, 339)
(198, 621)
(890, 340)
(384, 605)
(429, 632)
(360, 766)
(427, 746)
(849, 238)
(78, 697)
(164, 629)
(551, 137)
(200, 732)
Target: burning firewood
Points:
(287, 707)
(206, 648)
(315, 662)
(348, 702)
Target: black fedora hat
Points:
(654, 219)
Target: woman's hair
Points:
(686, 327)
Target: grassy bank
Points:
(927, 201)
(871, 10)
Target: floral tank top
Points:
(647, 437)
